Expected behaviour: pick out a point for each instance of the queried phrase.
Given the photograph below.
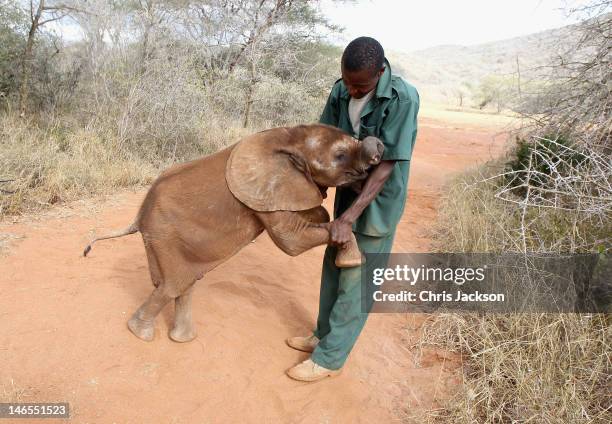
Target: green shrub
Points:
(535, 163)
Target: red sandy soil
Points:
(63, 334)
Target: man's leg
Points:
(330, 279)
(341, 318)
(330, 276)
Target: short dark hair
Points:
(363, 53)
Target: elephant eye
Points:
(340, 156)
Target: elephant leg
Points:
(173, 274)
(142, 323)
(183, 330)
(296, 232)
(154, 268)
(292, 232)
(348, 255)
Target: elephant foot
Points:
(182, 334)
(144, 330)
(349, 256)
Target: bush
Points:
(534, 163)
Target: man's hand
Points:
(340, 232)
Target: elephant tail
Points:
(133, 228)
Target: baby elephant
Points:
(198, 214)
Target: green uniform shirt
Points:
(391, 115)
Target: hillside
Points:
(442, 72)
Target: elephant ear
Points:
(267, 173)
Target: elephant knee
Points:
(290, 245)
(318, 215)
(291, 250)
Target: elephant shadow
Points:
(263, 294)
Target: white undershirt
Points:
(354, 109)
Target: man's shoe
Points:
(309, 371)
(305, 344)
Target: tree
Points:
(13, 27)
(494, 89)
(40, 14)
(461, 91)
(247, 34)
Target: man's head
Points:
(362, 66)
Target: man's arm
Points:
(341, 228)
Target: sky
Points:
(408, 25)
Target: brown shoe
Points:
(309, 371)
(305, 344)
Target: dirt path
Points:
(63, 335)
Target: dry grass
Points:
(465, 116)
(546, 368)
(45, 165)
(537, 368)
(471, 219)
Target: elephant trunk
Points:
(372, 150)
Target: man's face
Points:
(359, 83)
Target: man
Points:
(367, 101)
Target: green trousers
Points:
(341, 315)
